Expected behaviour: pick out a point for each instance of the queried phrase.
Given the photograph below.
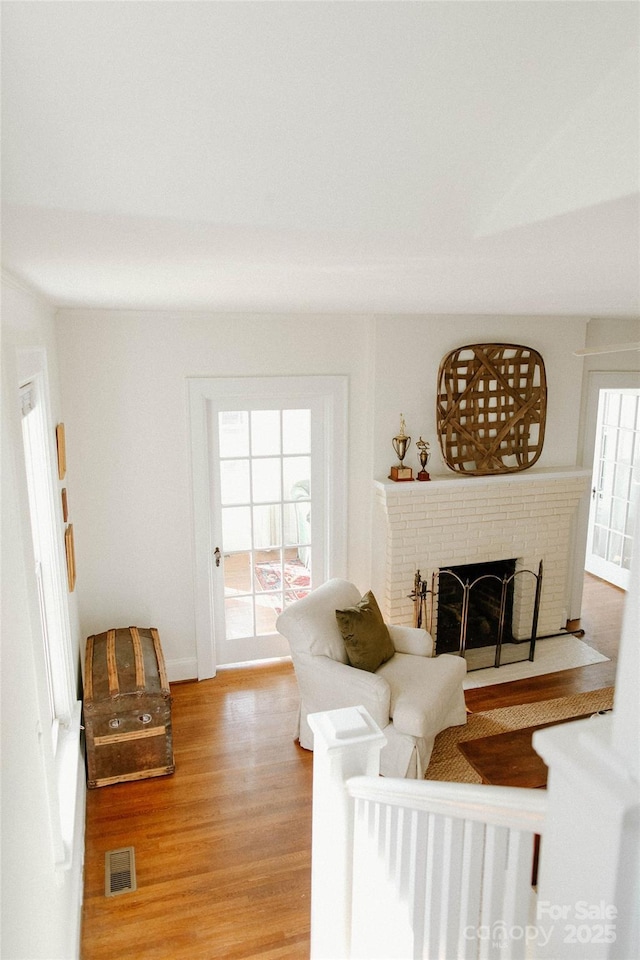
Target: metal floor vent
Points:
(119, 871)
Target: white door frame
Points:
(599, 380)
(333, 390)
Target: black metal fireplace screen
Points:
(473, 612)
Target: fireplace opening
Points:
(486, 613)
(483, 605)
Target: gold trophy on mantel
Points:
(423, 447)
(401, 444)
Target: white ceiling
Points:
(325, 156)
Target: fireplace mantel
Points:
(524, 476)
(454, 519)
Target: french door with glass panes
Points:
(615, 486)
(275, 459)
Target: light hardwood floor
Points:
(223, 846)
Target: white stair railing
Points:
(442, 870)
(415, 869)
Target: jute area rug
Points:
(447, 763)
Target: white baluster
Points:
(442, 870)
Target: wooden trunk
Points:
(127, 707)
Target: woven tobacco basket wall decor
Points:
(491, 408)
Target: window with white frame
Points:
(49, 569)
(61, 711)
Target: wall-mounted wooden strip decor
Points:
(70, 552)
(61, 448)
(491, 408)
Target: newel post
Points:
(346, 743)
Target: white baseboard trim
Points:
(186, 669)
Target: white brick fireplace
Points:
(449, 521)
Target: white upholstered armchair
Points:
(412, 696)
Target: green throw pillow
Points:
(365, 634)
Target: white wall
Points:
(624, 363)
(123, 376)
(40, 905)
